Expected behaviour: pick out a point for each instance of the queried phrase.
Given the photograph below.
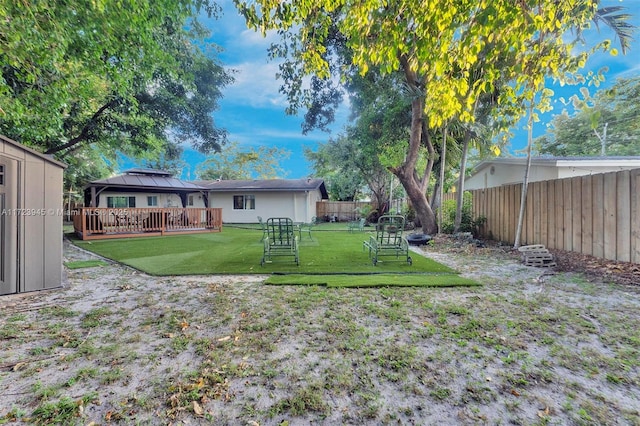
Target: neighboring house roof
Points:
(266, 185)
(505, 171)
(602, 162)
(46, 157)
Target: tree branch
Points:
(86, 130)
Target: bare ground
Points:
(530, 346)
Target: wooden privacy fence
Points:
(598, 215)
(341, 210)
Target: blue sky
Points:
(253, 111)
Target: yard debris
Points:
(537, 255)
(197, 409)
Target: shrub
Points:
(467, 224)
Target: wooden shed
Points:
(30, 219)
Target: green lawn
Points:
(239, 251)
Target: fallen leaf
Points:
(184, 325)
(515, 392)
(544, 413)
(224, 339)
(19, 365)
(197, 409)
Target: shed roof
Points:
(46, 157)
(267, 185)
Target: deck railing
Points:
(97, 223)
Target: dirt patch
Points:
(531, 346)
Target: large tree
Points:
(606, 123)
(335, 162)
(435, 46)
(262, 162)
(120, 77)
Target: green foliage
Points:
(65, 411)
(117, 76)
(468, 223)
(607, 121)
(349, 163)
(77, 264)
(262, 162)
(365, 211)
(409, 213)
(448, 54)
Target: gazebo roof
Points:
(146, 179)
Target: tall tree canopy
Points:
(437, 47)
(262, 162)
(606, 123)
(117, 77)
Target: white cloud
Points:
(255, 86)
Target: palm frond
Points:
(618, 22)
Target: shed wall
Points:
(36, 224)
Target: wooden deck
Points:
(91, 223)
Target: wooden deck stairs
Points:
(537, 255)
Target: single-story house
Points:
(30, 219)
(144, 188)
(507, 171)
(242, 201)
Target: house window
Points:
(1, 174)
(244, 202)
(152, 201)
(190, 200)
(121, 202)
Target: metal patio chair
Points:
(388, 240)
(280, 240)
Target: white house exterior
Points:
(30, 219)
(507, 171)
(242, 201)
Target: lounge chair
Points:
(280, 240)
(389, 240)
(264, 228)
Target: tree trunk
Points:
(420, 204)
(463, 170)
(407, 175)
(443, 157)
(525, 183)
(414, 186)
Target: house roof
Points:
(562, 162)
(266, 185)
(147, 179)
(46, 157)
